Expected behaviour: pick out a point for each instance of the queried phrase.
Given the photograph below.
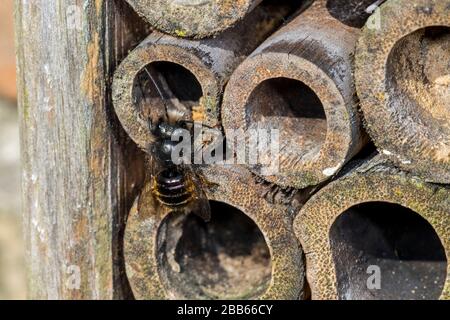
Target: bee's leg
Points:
(273, 193)
(152, 125)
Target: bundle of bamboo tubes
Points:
(360, 93)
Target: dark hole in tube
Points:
(226, 258)
(380, 240)
(164, 83)
(351, 12)
(284, 97)
(294, 109)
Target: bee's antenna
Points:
(151, 125)
(194, 122)
(159, 91)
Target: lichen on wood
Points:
(193, 18)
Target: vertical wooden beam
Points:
(80, 171)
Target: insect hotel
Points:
(219, 149)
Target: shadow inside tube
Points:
(353, 13)
(226, 258)
(293, 108)
(164, 84)
(386, 251)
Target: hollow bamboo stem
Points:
(248, 250)
(300, 81)
(191, 73)
(403, 80)
(193, 18)
(377, 221)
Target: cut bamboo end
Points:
(403, 80)
(377, 233)
(248, 250)
(190, 74)
(300, 82)
(183, 80)
(193, 18)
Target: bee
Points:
(176, 187)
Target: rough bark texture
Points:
(79, 168)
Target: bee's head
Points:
(165, 131)
(162, 130)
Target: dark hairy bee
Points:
(176, 187)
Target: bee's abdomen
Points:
(172, 188)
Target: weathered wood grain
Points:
(80, 170)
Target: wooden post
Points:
(80, 170)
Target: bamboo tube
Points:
(403, 80)
(376, 218)
(248, 250)
(193, 18)
(300, 81)
(193, 73)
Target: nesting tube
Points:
(193, 18)
(377, 233)
(247, 251)
(300, 82)
(403, 81)
(190, 74)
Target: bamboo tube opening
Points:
(397, 240)
(227, 258)
(248, 250)
(163, 83)
(295, 109)
(418, 79)
(403, 79)
(377, 233)
(300, 82)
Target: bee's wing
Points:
(155, 167)
(152, 165)
(200, 203)
(152, 205)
